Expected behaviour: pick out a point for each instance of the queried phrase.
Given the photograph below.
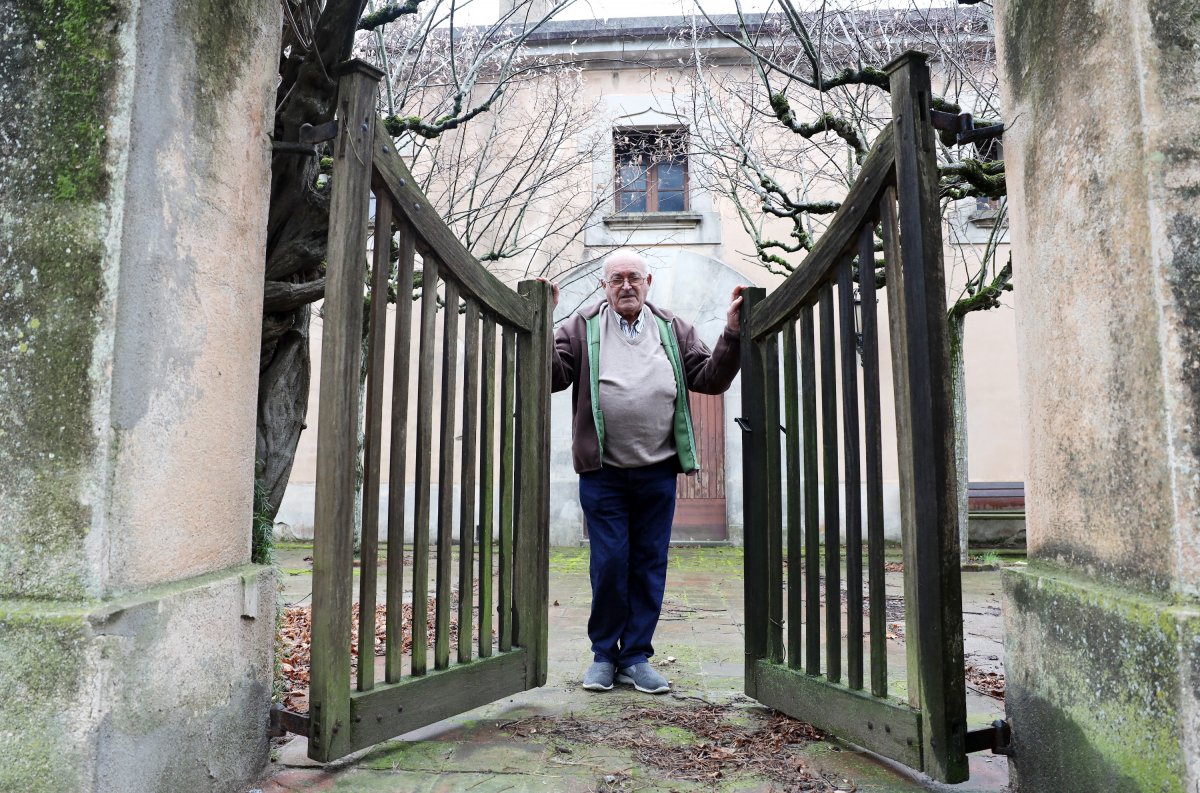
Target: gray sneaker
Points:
(599, 677)
(643, 677)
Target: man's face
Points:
(626, 285)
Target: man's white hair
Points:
(626, 253)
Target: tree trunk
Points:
(958, 393)
(282, 401)
(297, 228)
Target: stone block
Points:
(1098, 692)
(167, 690)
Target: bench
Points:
(995, 497)
(996, 513)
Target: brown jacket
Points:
(704, 372)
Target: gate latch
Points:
(996, 738)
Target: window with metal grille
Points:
(651, 169)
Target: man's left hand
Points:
(733, 322)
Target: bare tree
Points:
(783, 137)
(439, 77)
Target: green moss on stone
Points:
(42, 660)
(408, 755)
(62, 55)
(676, 736)
(225, 32)
(59, 61)
(1094, 684)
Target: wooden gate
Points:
(502, 472)
(812, 318)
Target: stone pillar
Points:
(1103, 628)
(136, 639)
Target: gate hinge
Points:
(310, 135)
(318, 133)
(963, 126)
(285, 721)
(997, 739)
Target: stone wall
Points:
(135, 637)
(1104, 172)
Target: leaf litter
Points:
(724, 743)
(295, 637)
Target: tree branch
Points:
(389, 13)
(986, 298)
(282, 296)
(826, 122)
(983, 179)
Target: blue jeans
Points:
(629, 513)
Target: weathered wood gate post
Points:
(341, 349)
(925, 429)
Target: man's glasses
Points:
(633, 279)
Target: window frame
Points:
(651, 173)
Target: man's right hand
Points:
(553, 291)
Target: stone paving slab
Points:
(702, 632)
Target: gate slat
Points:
(851, 468)
(829, 474)
(873, 435)
(890, 223)
(487, 483)
(530, 552)
(774, 498)
(445, 534)
(795, 498)
(812, 527)
(368, 567)
(466, 511)
(508, 373)
(754, 474)
(424, 468)
(398, 456)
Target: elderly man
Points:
(631, 365)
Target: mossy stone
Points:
(1094, 684)
(42, 660)
(60, 65)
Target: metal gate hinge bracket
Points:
(996, 738)
(743, 422)
(318, 133)
(310, 135)
(963, 126)
(285, 721)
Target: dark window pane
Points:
(670, 175)
(631, 202)
(670, 201)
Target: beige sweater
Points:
(637, 394)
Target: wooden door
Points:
(700, 505)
